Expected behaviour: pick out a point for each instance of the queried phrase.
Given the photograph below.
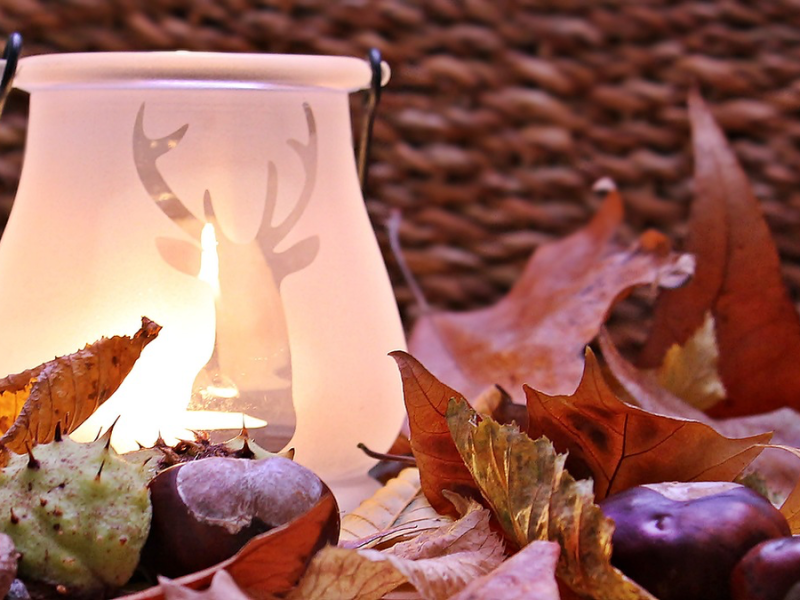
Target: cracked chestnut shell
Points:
(768, 571)
(205, 511)
(681, 541)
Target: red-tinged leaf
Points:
(271, 563)
(530, 573)
(624, 446)
(439, 462)
(536, 334)
(737, 279)
(778, 469)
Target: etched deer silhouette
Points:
(250, 367)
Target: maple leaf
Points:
(67, 390)
(777, 468)
(223, 587)
(530, 573)
(624, 446)
(537, 332)
(438, 563)
(737, 279)
(438, 460)
(394, 513)
(535, 498)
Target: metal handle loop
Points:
(11, 55)
(373, 98)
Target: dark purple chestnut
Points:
(681, 541)
(204, 511)
(768, 571)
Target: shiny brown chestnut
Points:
(205, 511)
(681, 541)
(768, 571)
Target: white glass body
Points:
(106, 229)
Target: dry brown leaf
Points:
(778, 469)
(68, 389)
(624, 446)
(396, 512)
(438, 563)
(536, 333)
(223, 587)
(270, 563)
(439, 463)
(535, 498)
(738, 279)
(529, 574)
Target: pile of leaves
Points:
(518, 429)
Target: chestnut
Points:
(768, 571)
(204, 511)
(681, 541)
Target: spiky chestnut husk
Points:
(161, 455)
(78, 513)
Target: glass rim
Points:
(193, 69)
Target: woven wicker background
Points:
(500, 115)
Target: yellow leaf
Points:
(395, 513)
(690, 371)
(534, 498)
(67, 390)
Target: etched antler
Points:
(302, 253)
(145, 153)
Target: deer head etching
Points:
(249, 370)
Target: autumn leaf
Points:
(535, 498)
(394, 513)
(223, 587)
(737, 279)
(780, 470)
(438, 563)
(270, 563)
(66, 390)
(438, 460)
(530, 573)
(624, 446)
(791, 509)
(536, 333)
(690, 371)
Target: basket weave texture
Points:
(500, 115)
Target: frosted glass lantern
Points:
(216, 194)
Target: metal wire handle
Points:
(372, 100)
(11, 55)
